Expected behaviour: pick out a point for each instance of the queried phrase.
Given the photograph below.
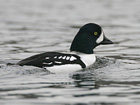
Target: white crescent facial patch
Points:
(100, 39)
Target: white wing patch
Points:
(68, 57)
(47, 63)
(47, 57)
(60, 57)
(72, 58)
(64, 57)
(100, 39)
(58, 62)
(55, 57)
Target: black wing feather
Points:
(49, 59)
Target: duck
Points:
(80, 55)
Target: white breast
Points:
(88, 59)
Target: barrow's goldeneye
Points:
(81, 53)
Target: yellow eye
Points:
(95, 33)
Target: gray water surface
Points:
(29, 27)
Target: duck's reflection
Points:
(85, 80)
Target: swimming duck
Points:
(80, 56)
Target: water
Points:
(29, 27)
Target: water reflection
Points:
(84, 80)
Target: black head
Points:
(89, 36)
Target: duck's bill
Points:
(106, 41)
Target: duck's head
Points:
(89, 36)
